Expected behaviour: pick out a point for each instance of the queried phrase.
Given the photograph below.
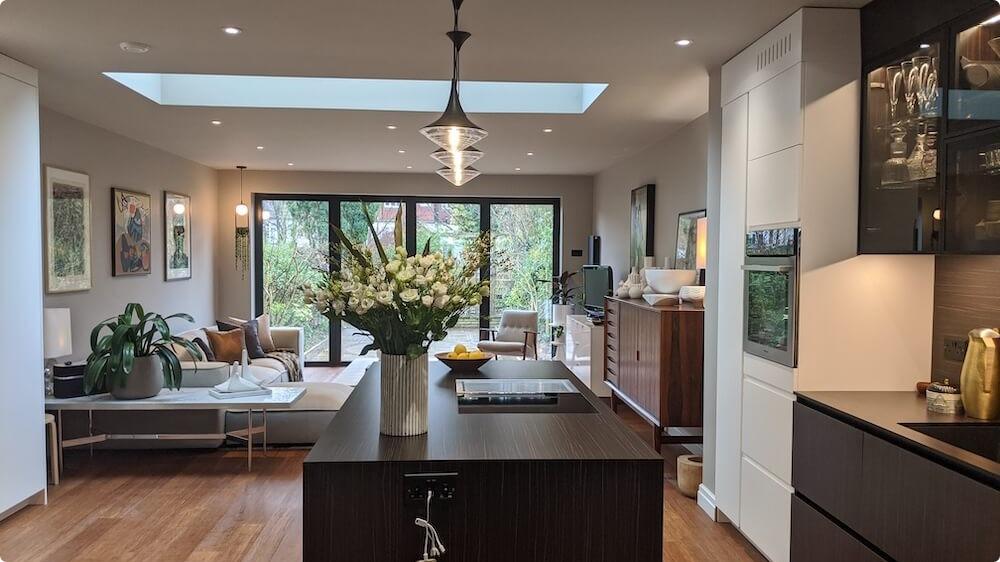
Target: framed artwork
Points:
(67, 231)
(685, 257)
(131, 219)
(176, 236)
(641, 240)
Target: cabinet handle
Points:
(637, 355)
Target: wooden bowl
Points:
(464, 365)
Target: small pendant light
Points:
(458, 159)
(459, 176)
(242, 209)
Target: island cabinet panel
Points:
(816, 538)
(916, 509)
(654, 358)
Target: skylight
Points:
(209, 90)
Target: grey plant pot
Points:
(145, 381)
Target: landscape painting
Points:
(131, 226)
(67, 226)
(641, 241)
(685, 257)
(177, 235)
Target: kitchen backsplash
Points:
(966, 296)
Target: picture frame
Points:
(176, 236)
(68, 259)
(643, 205)
(131, 228)
(685, 254)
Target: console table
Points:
(281, 398)
(653, 362)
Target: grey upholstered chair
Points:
(516, 335)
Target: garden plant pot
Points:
(145, 381)
(404, 395)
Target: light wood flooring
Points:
(203, 506)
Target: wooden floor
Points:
(204, 506)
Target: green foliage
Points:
(134, 333)
(69, 249)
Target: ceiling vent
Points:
(774, 52)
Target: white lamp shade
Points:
(58, 333)
(701, 253)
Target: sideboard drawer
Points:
(815, 538)
(826, 463)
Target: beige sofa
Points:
(267, 370)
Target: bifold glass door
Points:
(295, 236)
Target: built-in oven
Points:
(771, 287)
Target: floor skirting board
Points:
(38, 498)
(706, 501)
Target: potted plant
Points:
(136, 359)
(562, 293)
(405, 303)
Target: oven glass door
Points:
(769, 318)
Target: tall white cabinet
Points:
(22, 439)
(789, 158)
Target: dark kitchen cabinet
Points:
(816, 538)
(922, 101)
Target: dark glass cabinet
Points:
(931, 142)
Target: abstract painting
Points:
(67, 227)
(131, 218)
(687, 240)
(643, 204)
(177, 236)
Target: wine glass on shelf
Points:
(911, 84)
(894, 84)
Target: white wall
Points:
(234, 294)
(678, 165)
(112, 160)
(22, 440)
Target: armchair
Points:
(516, 335)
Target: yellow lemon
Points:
(459, 348)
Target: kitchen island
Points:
(557, 482)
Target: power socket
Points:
(443, 484)
(955, 348)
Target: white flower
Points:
(441, 301)
(393, 266)
(420, 281)
(338, 306)
(427, 261)
(427, 300)
(406, 275)
(439, 288)
(353, 301)
(366, 304)
(475, 299)
(458, 299)
(401, 251)
(384, 297)
(484, 290)
(409, 295)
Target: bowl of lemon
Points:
(462, 359)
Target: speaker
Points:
(594, 250)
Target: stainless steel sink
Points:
(982, 439)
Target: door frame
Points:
(409, 202)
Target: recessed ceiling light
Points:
(401, 151)
(517, 169)
(260, 148)
(391, 127)
(133, 47)
(546, 130)
(682, 42)
(291, 163)
(531, 154)
(925, 45)
(230, 30)
(216, 122)
(409, 167)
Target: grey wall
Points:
(113, 160)
(713, 147)
(678, 167)
(234, 294)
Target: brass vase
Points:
(981, 375)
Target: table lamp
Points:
(58, 333)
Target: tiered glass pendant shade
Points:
(459, 176)
(458, 159)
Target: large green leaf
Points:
(346, 243)
(371, 227)
(397, 232)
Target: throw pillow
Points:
(263, 331)
(250, 336)
(206, 351)
(226, 346)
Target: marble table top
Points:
(183, 399)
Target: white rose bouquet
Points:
(405, 302)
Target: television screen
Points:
(596, 286)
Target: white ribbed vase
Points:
(404, 395)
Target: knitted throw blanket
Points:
(290, 360)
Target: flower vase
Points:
(404, 395)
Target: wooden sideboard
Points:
(654, 363)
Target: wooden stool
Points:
(50, 425)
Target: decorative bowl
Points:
(670, 281)
(692, 293)
(464, 365)
(655, 299)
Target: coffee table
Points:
(281, 398)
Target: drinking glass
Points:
(911, 84)
(894, 85)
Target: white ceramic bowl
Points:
(667, 281)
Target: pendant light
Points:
(459, 176)
(242, 209)
(454, 131)
(458, 159)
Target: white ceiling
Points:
(655, 87)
